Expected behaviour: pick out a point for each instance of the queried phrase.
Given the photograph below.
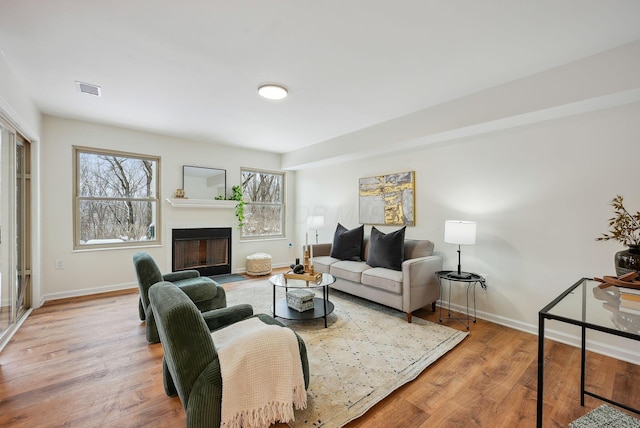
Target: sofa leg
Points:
(408, 317)
(433, 306)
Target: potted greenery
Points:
(236, 195)
(624, 228)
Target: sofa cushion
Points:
(346, 269)
(199, 289)
(323, 263)
(385, 279)
(347, 244)
(414, 248)
(386, 249)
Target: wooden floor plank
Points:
(85, 362)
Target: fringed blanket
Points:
(262, 377)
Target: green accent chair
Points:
(191, 368)
(203, 291)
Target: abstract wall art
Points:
(388, 199)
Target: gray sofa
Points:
(414, 287)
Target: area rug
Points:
(605, 416)
(230, 277)
(366, 352)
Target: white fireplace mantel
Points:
(201, 203)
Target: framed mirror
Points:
(203, 183)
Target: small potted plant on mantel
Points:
(624, 228)
(236, 195)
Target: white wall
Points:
(539, 194)
(16, 104)
(94, 271)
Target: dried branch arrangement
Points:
(623, 227)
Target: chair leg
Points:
(141, 310)
(408, 317)
(151, 329)
(167, 380)
(433, 306)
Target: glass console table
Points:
(590, 307)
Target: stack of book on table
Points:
(630, 300)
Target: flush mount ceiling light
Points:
(272, 91)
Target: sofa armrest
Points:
(420, 285)
(183, 274)
(223, 317)
(321, 249)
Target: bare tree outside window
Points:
(116, 198)
(263, 193)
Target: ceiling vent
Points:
(88, 88)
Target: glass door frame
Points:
(23, 235)
(15, 233)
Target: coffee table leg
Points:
(325, 297)
(274, 301)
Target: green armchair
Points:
(203, 291)
(190, 366)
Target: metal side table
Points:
(471, 279)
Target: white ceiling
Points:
(191, 69)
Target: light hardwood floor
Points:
(84, 362)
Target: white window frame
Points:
(281, 204)
(78, 198)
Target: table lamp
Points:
(315, 222)
(461, 233)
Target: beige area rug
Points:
(606, 417)
(366, 352)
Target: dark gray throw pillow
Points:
(347, 243)
(386, 249)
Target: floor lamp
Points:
(461, 233)
(315, 222)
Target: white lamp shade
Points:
(460, 232)
(315, 222)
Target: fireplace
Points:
(207, 250)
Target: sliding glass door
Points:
(15, 248)
(7, 315)
(23, 247)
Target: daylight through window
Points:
(263, 193)
(116, 198)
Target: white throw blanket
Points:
(262, 377)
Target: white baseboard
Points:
(87, 291)
(108, 288)
(598, 347)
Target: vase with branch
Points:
(624, 227)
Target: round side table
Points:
(471, 279)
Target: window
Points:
(116, 198)
(263, 193)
